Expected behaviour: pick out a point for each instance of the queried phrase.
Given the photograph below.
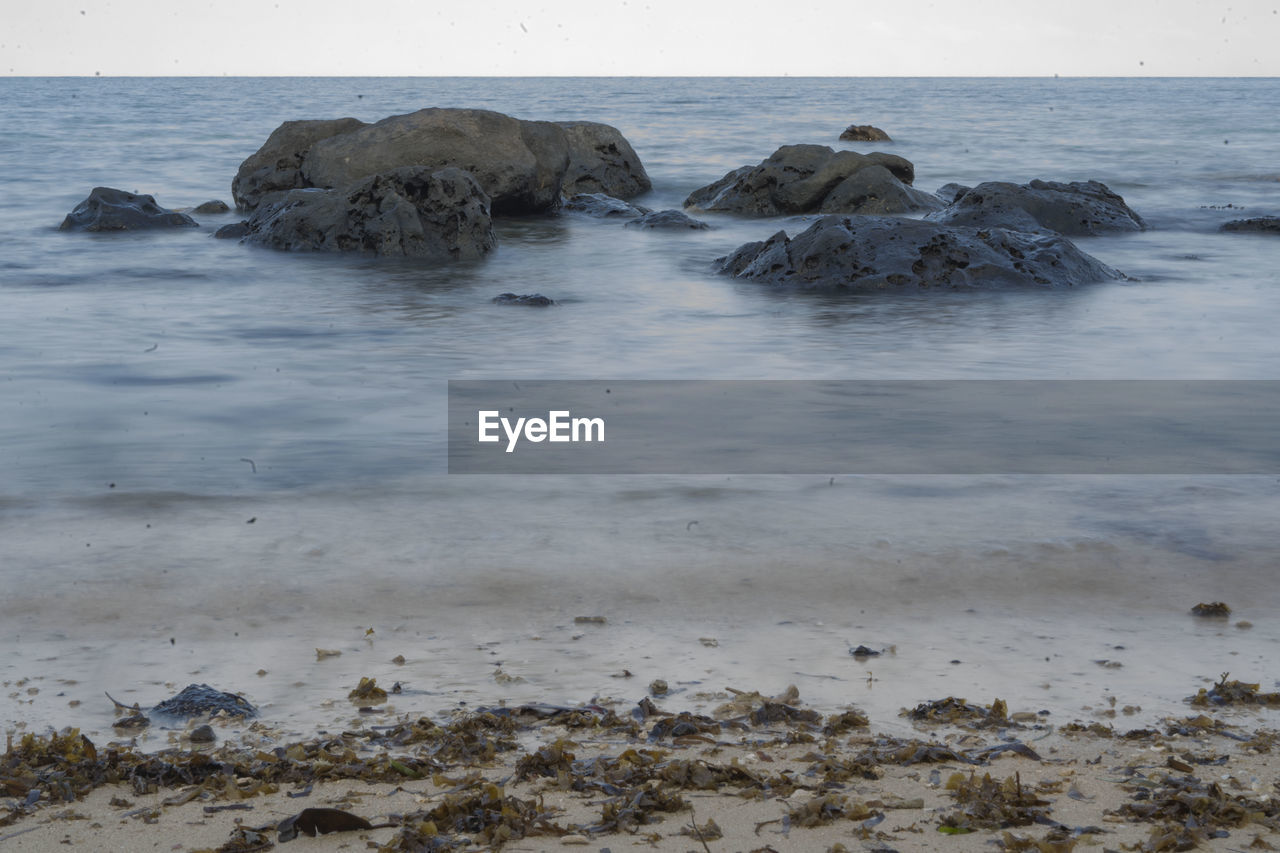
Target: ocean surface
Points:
(215, 459)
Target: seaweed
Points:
(828, 808)
(1233, 693)
(1188, 811)
(368, 691)
(1216, 609)
(484, 815)
(988, 803)
(954, 711)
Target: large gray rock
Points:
(602, 161)
(816, 179)
(413, 211)
(108, 209)
(885, 253)
(519, 164)
(1076, 209)
(276, 167)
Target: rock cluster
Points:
(815, 179)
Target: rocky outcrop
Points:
(108, 209)
(864, 133)
(602, 161)
(950, 192)
(886, 253)
(276, 167)
(603, 206)
(413, 211)
(234, 231)
(668, 220)
(1075, 209)
(1257, 225)
(519, 164)
(815, 179)
(523, 166)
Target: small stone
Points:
(203, 734)
(534, 299)
(214, 206)
(864, 133)
(658, 687)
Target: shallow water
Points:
(140, 372)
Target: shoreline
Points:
(756, 773)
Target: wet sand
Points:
(757, 773)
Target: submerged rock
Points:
(214, 206)
(864, 133)
(1257, 225)
(1076, 209)
(669, 220)
(880, 253)
(200, 700)
(276, 167)
(815, 179)
(603, 206)
(109, 209)
(414, 211)
(602, 161)
(535, 299)
(234, 231)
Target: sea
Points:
(220, 464)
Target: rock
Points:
(864, 133)
(201, 699)
(413, 211)
(277, 166)
(1258, 225)
(878, 253)
(671, 220)
(602, 206)
(602, 161)
(951, 192)
(108, 209)
(203, 734)
(234, 231)
(519, 164)
(214, 206)
(816, 179)
(1075, 209)
(535, 299)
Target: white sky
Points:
(640, 37)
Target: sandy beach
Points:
(755, 773)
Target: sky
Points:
(640, 38)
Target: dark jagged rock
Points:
(1076, 209)
(214, 206)
(603, 206)
(535, 299)
(815, 179)
(202, 700)
(669, 220)
(276, 167)
(1257, 225)
(108, 209)
(602, 161)
(414, 211)
(885, 253)
(864, 133)
(234, 231)
(520, 164)
(951, 192)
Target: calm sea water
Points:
(140, 372)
